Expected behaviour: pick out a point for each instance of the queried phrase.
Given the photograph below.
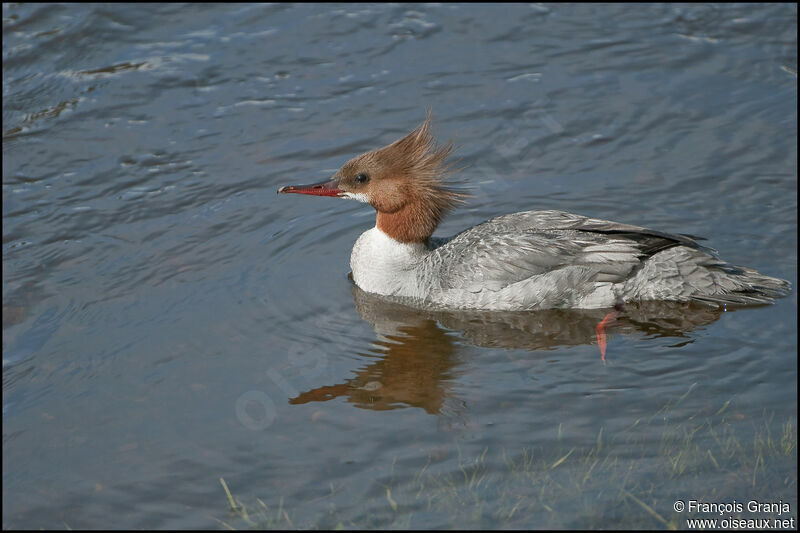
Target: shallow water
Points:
(168, 320)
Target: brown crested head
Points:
(404, 182)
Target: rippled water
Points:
(168, 320)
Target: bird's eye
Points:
(362, 178)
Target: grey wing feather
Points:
(511, 248)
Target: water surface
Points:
(169, 320)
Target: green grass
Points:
(628, 481)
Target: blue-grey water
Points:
(168, 320)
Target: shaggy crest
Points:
(417, 159)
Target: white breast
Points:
(385, 266)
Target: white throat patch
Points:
(360, 196)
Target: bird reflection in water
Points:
(417, 351)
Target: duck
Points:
(530, 260)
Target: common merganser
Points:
(521, 261)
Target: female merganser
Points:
(522, 261)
